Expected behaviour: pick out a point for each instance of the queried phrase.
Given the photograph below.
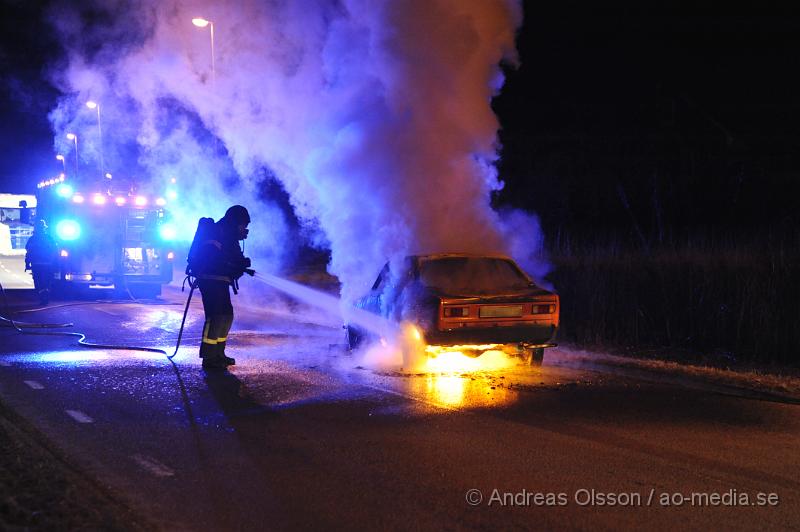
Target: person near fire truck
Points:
(41, 254)
(220, 263)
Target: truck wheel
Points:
(58, 289)
(145, 291)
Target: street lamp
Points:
(63, 162)
(202, 23)
(73, 137)
(94, 105)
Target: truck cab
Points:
(16, 214)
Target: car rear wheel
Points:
(533, 356)
(353, 338)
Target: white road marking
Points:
(34, 385)
(79, 416)
(153, 466)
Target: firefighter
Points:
(220, 264)
(40, 257)
(24, 213)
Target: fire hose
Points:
(21, 327)
(192, 286)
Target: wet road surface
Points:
(300, 434)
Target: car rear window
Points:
(472, 275)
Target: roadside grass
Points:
(781, 385)
(716, 303)
(40, 490)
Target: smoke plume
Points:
(374, 116)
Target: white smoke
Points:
(374, 115)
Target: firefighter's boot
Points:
(208, 351)
(230, 361)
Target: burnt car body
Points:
(463, 299)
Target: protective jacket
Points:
(40, 249)
(220, 258)
(41, 253)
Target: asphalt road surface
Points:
(301, 434)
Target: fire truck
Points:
(107, 240)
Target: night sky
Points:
(677, 121)
(646, 123)
(26, 46)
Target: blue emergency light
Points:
(68, 230)
(168, 232)
(64, 190)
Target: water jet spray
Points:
(331, 304)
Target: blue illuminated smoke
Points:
(374, 115)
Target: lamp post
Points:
(202, 23)
(73, 137)
(94, 105)
(63, 162)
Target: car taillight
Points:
(543, 309)
(456, 312)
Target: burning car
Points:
(476, 302)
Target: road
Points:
(12, 272)
(301, 434)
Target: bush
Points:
(740, 302)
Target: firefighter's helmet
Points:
(237, 215)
